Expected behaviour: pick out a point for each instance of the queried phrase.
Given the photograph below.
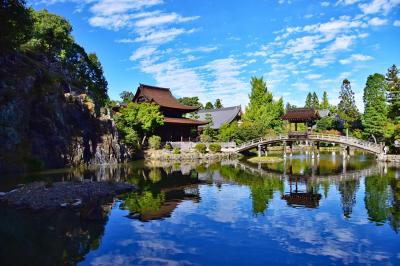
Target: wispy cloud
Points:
(355, 57)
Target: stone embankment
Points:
(86, 198)
(188, 155)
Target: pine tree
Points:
(315, 101)
(347, 108)
(208, 106)
(218, 104)
(262, 110)
(309, 100)
(325, 101)
(393, 92)
(375, 110)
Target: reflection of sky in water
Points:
(222, 230)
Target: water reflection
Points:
(321, 211)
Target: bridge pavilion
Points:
(301, 115)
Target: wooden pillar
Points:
(312, 149)
(318, 149)
(295, 126)
(291, 148)
(259, 150)
(284, 149)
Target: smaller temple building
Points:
(301, 115)
(220, 116)
(176, 127)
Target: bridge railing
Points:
(321, 137)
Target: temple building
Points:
(220, 116)
(176, 127)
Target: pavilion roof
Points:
(162, 97)
(301, 115)
(187, 121)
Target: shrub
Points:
(176, 151)
(214, 147)
(155, 142)
(201, 148)
(168, 147)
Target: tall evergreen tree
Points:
(315, 101)
(347, 108)
(325, 102)
(393, 92)
(309, 100)
(262, 109)
(208, 106)
(218, 104)
(375, 110)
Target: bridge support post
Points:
(312, 149)
(259, 151)
(291, 149)
(284, 150)
(318, 149)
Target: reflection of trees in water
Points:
(160, 191)
(262, 188)
(382, 199)
(348, 189)
(59, 238)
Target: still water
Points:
(326, 211)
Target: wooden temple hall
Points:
(176, 127)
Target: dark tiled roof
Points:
(162, 97)
(188, 121)
(301, 115)
(220, 116)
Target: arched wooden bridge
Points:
(368, 146)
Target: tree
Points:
(393, 92)
(208, 106)
(16, 24)
(309, 101)
(375, 110)
(218, 104)
(347, 109)
(262, 109)
(96, 82)
(51, 33)
(191, 101)
(315, 101)
(126, 96)
(325, 101)
(140, 119)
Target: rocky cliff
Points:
(48, 120)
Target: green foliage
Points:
(326, 123)
(393, 91)
(126, 96)
(375, 111)
(201, 148)
(325, 102)
(168, 147)
(262, 109)
(144, 202)
(51, 33)
(240, 132)
(347, 108)
(214, 147)
(155, 142)
(209, 105)
(218, 104)
(176, 151)
(138, 120)
(312, 101)
(16, 24)
(191, 101)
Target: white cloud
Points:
(396, 23)
(162, 19)
(313, 76)
(162, 36)
(203, 49)
(377, 21)
(111, 7)
(355, 57)
(341, 43)
(142, 52)
(379, 6)
(301, 86)
(347, 2)
(325, 4)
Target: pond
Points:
(322, 211)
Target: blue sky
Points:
(211, 48)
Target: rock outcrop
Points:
(47, 120)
